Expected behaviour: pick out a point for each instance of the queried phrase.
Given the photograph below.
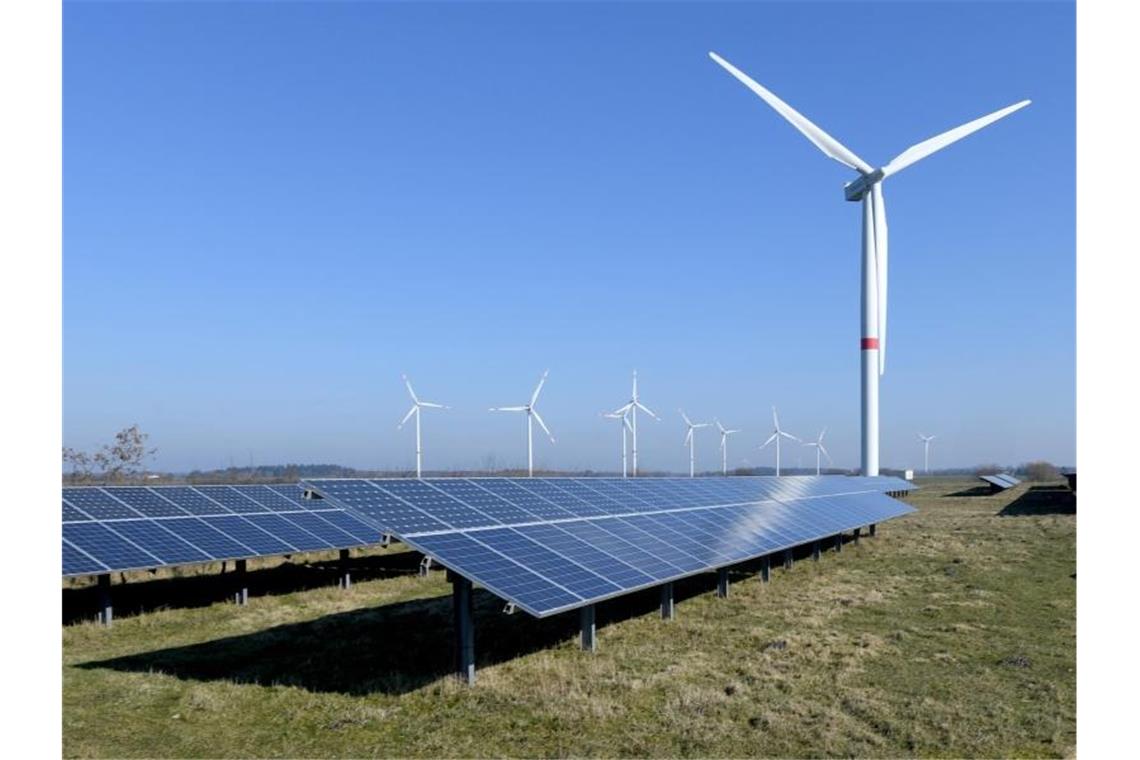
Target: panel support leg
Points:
(788, 559)
(241, 590)
(838, 542)
(815, 551)
(425, 566)
(105, 611)
(463, 610)
(856, 535)
(668, 610)
(589, 629)
(345, 578)
(871, 530)
(765, 568)
(722, 582)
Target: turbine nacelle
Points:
(857, 188)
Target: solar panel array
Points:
(121, 528)
(553, 544)
(1001, 480)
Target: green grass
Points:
(950, 634)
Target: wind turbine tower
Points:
(724, 434)
(926, 439)
(777, 434)
(690, 439)
(532, 416)
(867, 188)
(631, 408)
(417, 405)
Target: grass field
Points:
(952, 633)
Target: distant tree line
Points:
(120, 461)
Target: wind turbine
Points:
(532, 416)
(631, 408)
(776, 436)
(625, 426)
(417, 405)
(820, 449)
(868, 189)
(926, 439)
(690, 439)
(724, 434)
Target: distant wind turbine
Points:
(724, 434)
(926, 439)
(625, 427)
(867, 188)
(820, 449)
(417, 405)
(532, 416)
(777, 434)
(690, 439)
(631, 408)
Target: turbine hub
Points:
(857, 188)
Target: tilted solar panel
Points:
(118, 528)
(553, 544)
(997, 481)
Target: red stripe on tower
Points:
(870, 344)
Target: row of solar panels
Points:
(548, 545)
(409, 507)
(1001, 481)
(132, 528)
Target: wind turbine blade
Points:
(411, 393)
(688, 436)
(825, 142)
(770, 439)
(408, 416)
(541, 382)
(719, 426)
(434, 405)
(685, 417)
(822, 433)
(538, 419)
(509, 408)
(647, 410)
(775, 419)
(879, 213)
(701, 425)
(949, 137)
(824, 450)
(625, 420)
(789, 435)
(624, 409)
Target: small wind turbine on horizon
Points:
(867, 188)
(532, 416)
(724, 434)
(417, 405)
(819, 449)
(690, 439)
(926, 439)
(631, 408)
(776, 436)
(625, 427)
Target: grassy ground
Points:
(950, 634)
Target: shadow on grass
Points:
(1042, 500)
(979, 490)
(396, 648)
(140, 596)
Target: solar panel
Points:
(118, 528)
(553, 544)
(1001, 481)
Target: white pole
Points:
(623, 448)
(869, 345)
(723, 454)
(419, 447)
(529, 445)
(926, 457)
(818, 452)
(634, 411)
(777, 453)
(692, 447)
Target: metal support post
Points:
(856, 535)
(345, 581)
(788, 559)
(765, 568)
(589, 629)
(838, 542)
(668, 611)
(463, 610)
(871, 530)
(815, 551)
(105, 611)
(722, 582)
(241, 591)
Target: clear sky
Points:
(272, 210)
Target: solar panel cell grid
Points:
(286, 530)
(232, 499)
(76, 562)
(109, 548)
(191, 501)
(71, 514)
(146, 502)
(160, 542)
(432, 501)
(248, 534)
(209, 539)
(99, 505)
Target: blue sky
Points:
(271, 211)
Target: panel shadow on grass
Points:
(204, 589)
(392, 649)
(1042, 500)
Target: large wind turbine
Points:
(926, 439)
(625, 426)
(820, 449)
(416, 406)
(690, 439)
(776, 436)
(631, 408)
(532, 416)
(868, 189)
(724, 434)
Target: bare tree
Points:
(117, 461)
